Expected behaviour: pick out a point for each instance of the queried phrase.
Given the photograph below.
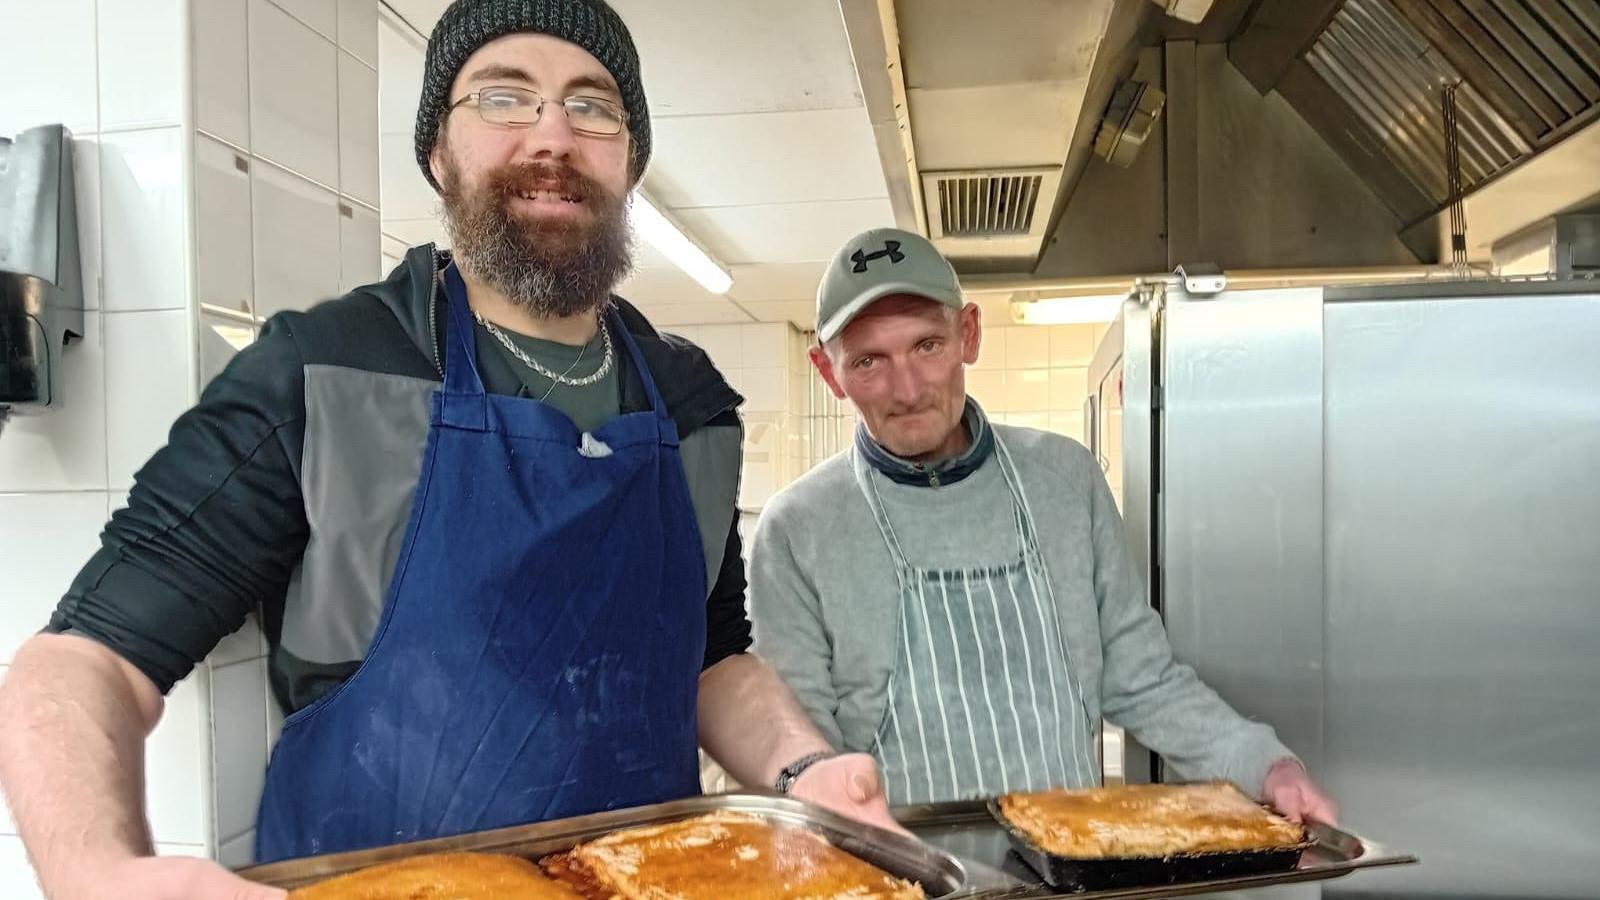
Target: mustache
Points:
(525, 178)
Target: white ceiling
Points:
(762, 148)
(994, 93)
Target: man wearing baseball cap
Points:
(484, 511)
(954, 597)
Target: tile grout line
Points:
(100, 166)
(310, 27)
(189, 184)
(206, 751)
(338, 142)
(249, 154)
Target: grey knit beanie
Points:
(469, 24)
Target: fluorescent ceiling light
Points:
(1068, 310)
(661, 233)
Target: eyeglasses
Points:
(522, 108)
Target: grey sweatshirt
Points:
(824, 601)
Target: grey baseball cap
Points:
(875, 264)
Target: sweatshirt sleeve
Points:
(790, 632)
(1160, 700)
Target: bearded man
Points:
(484, 511)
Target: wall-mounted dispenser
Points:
(41, 282)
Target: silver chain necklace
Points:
(553, 377)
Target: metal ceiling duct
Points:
(1392, 78)
(1535, 69)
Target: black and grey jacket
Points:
(286, 490)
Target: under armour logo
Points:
(890, 249)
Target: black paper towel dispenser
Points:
(41, 282)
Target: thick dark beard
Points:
(553, 269)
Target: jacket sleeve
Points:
(215, 523)
(790, 633)
(1160, 700)
(727, 625)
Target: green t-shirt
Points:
(588, 406)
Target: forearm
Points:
(1165, 705)
(751, 723)
(1198, 734)
(72, 755)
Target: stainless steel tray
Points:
(968, 832)
(939, 873)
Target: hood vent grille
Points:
(992, 213)
(987, 205)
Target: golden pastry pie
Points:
(722, 855)
(1147, 820)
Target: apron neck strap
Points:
(867, 482)
(461, 358)
(1019, 496)
(620, 332)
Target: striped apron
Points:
(982, 697)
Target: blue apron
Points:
(540, 646)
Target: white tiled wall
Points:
(358, 29)
(221, 68)
(149, 383)
(177, 788)
(141, 68)
(765, 363)
(320, 15)
(296, 222)
(57, 51)
(360, 246)
(294, 95)
(263, 186)
(144, 206)
(1035, 376)
(239, 752)
(44, 539)
(286, 96)
(224, 270)
(358, 130)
